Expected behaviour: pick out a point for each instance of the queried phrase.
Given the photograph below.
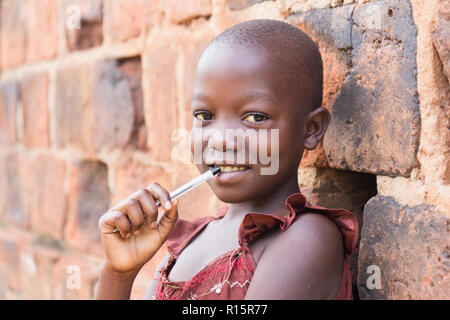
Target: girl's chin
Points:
(232, 196)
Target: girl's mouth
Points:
(232, 168)
(231, 173)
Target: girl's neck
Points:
(272, 203)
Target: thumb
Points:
(168, 220)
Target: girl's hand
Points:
(140, 234)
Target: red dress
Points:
(228, 276)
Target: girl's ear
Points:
(317, 123)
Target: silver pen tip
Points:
(215, 171)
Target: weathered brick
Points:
(355, 42)
(100, 108)
(375, 121)
(9, 268)
(118, 117)
(20, 20)
(342, 189)
(188, 10)
(90, 33)
(41, 17)
(36, 271)
(46, 197)
(34, 99)
(13, 181)
(12, 33)
(12, 243)
(331, 27)
(128, 19)
(331, 31)
(9, 97)
(441, 36)
(132, 177)
(410, 247)
(73, 103)
(305, 5)
(88, 200)
(161, 113)
(242, 4)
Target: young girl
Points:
(269, 242)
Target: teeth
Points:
(232, 168)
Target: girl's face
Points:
(243, 109)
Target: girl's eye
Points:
(203, 116)
(255, 118)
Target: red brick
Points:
(9, 96)
(12, 33)
(117, 104)
(90, 33)
(131, 69)
(34, 98)
(161, 103)
(36, 271)
(132, 177)
(9, 268)
(12, 243)
(29, 31)
(46, 197)
(73, 103)
(13, 181)
(178, 13)
(41, 29)
(128, 19)
(88, 200)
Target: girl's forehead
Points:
(241, 75)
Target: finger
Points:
(148, 205)
(134, 214)
(160, 194)
(114, 219)
(168, 220)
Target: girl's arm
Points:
(113, 285)
(303, 262)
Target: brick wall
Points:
(87, 115)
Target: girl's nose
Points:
(222, 140)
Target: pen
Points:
(189, 186)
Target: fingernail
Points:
(136, 232)
(168, 205)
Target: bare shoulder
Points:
(317, 227)
(303, 262)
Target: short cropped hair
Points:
(290, 47)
